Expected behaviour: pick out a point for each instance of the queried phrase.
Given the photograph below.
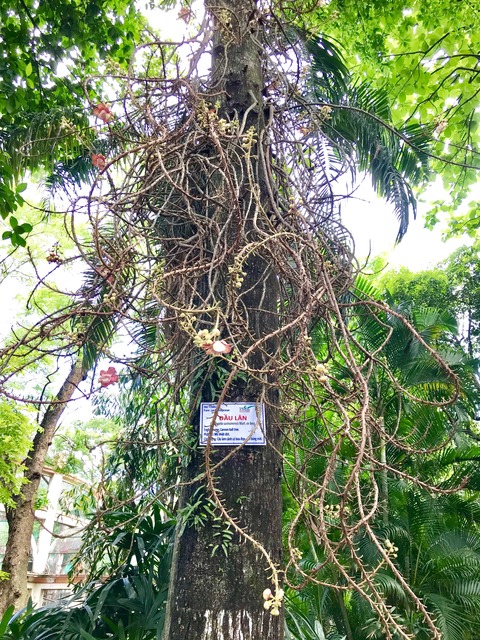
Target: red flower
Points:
(103, 113)
(110, 376)
(99, 160)
(185, 14)
(217, 348)
(107, 274)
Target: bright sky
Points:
(374, 228)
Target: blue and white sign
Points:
(236, 423)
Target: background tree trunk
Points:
(217, 595)
(21, 518)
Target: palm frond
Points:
(361, 122)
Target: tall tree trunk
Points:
(216, 594)
(21, 517)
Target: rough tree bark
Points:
(218, 597)
(21, 518)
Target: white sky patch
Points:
(62, 71)
(374, 227)
(170, 26)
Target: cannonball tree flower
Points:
(219, 347)
(273, 602)
(441, 126)
(99, 160)
(106, 274)
(110, 376)
(103, 113)
(185, 14)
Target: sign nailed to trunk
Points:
(236, 423)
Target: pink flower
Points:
(107, 274)
(217, 348)
(110, 376)
(185, 14)
(103, 113)
(99, 160)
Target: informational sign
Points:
(236, 423)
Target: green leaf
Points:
(6, 619)
(28, 69)
(18, 240)
(6, 235)
(10, 105)
(86, 635)
(21, 187)
(13, 222)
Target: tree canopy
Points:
(425, 54)
(15, 432)
(47, 50)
